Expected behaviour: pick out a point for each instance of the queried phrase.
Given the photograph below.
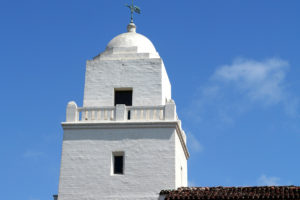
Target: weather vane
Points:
(133, 9)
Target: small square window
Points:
(118, 163)
(123, 96)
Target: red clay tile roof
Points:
(234, 193)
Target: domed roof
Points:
(132, 39)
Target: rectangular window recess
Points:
(123, 96)
(118, 163)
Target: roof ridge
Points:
(235, 192)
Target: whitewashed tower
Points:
(126, 142)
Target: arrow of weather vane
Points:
(133, 9)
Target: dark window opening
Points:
(118, 164)
(128, 115)
(123, 97)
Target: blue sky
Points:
(233, 65)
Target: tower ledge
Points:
(121, 116)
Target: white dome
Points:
(132, 39)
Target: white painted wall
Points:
(180, 165)
(166, 85)
(86, 163)
(147, 78)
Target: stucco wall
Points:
(86, 163)
(147, 77)
(166, 85)
(180, 165)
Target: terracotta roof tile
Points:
(234, 193)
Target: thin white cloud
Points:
(32, 154)
(191, 183)
(194, 145)
(260, 80)
(268, 180)
(234, 89)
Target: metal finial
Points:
(133, 9)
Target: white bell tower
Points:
(126, 142)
